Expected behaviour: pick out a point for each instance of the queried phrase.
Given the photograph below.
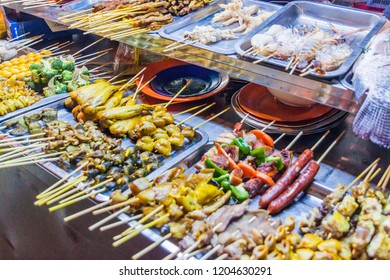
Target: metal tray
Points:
(310, 13)
(76, 6)
(346, 81)
(41, 103)
(326, 180)
(177, 155)
(204, 16)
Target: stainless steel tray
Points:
(76, 6)
(346, 81)
(310, 13)
(177, 155)
(203, 17)
(312, 197)
(41, 103)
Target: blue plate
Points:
(169, 81)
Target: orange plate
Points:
(154, 68)
(259, 102)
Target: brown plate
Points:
(259, 102)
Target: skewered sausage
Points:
(287, 178)
(295, 189)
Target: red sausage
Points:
(299, 185)
(287, 178)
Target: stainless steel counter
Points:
(30, 232)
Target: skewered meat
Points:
(226, 214)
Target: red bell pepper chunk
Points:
(263, 137)
(250, 172)
(232, 164)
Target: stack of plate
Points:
(262, 108)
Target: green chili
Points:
(217, 170)
(278, 161)
(242, 145)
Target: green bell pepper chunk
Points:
(242, 145)
(225, 184)
(219, 179)
(218, 172)
(259, 154)
(278, 161)
(239, 192)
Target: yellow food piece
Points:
(310, 241)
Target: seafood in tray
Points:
(219, 25)
(302, 38)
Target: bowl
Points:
(169, 81)
(289, 99)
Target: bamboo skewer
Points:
(90, 45)
(16, 153)
(30, 162)
(21, 137)
(143, 86)
(86, 211)
(138, 231)
(27, 159)
(72, 15)
(86, 61)
(132, 79)
(109, 218)
(85, 190)
(144, 219)
(279, 138)
(330, 147)
(92, 54)
(65, 188)
(210, 119)
(78, 192)
(21, 148)
(197, 113)
(151, 247)
(189, 110)
(57, 184)
(110, 226)
(172, 255)
(70, 202)
(54, 192)
(201, 250)
(112, 207)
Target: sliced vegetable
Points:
(239, 192)
(234, 177)
(259, 154)
(225, 184)
(263, 137)
(232, 164)
(242, 145)
(250, 172)
(219, 179)
(218, 171)
(278, 162)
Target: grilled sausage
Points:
(287, 178)
(303, 180)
